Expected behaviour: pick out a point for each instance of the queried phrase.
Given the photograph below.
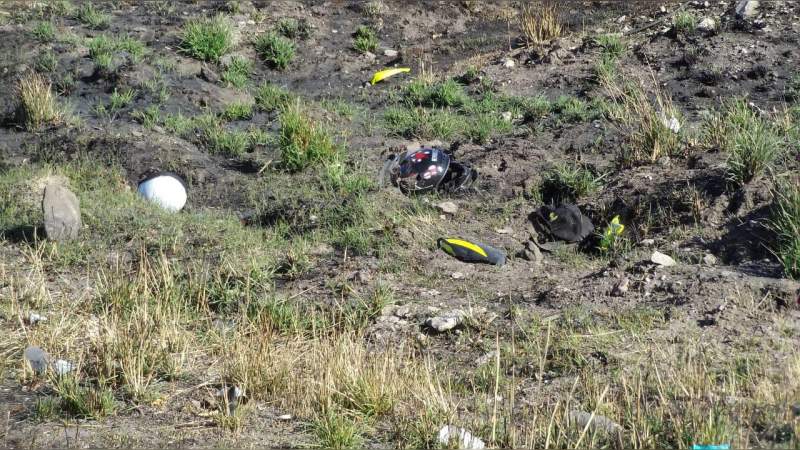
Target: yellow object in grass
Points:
(383, 74)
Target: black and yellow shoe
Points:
(566, 222)
(474, 252)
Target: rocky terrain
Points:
(296, 301)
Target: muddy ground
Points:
(727, 288)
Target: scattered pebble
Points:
(621, 288)
(583, 419)
(707, 25)
(208, 74)
(506, 230)
(661, 259)
(673, 124)
(448, 207)
(492, 355)
(710, 259)
(457, 275)
(464, 438)
(285, 417)
(34, 318)
(509, 63)
(507, 116)
(445, 322)
(746, 9)
(647, 242)
(62, 367)
(390, 53)
(37, 358)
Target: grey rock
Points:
(445, 322)
(746, 9)
(231, 396)
(599, 423)
(62, 213)
(34, 318)
(621, 288)
(509, 63)
(37, 358)
(208, 74)
(710, 259)
(452, 435)
(390, 53)
(647, 242)
(661, 259)
(448, 207)
(707, 25)
(62, 367)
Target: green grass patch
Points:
(46, 62)
(786, 224)
(93, 18)
(293, 28)
(44, 31)
(237, 111)
(207, 39)
(275, 50)
(237, 74)
(365, 40)
(685, 21)
(303, 142)
(270, 97)
(567, 183)
(120, 99)
(751, 142)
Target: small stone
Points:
(62, 367)
(621, 288)
(62, 213)
(389, 53)
(208, 74)
(505, 230)
(710, 259)
(583, 419)
(321, 250)
(672, 124)
(369, 56)
(34, 318)
(448, 207)
(662, 259)
(451, 435)
(285, 417)
(456, 275)
(509, 63)
(403, 311)
(507, 116)
(707, 25)
(492, 355)
(445, 322)
(746, 9)
(37, 358)
(647, 242)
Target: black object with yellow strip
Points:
(474, 252)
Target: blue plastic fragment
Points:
(711, 447)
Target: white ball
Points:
(166, 190)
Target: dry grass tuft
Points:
(644, 113)
(38, 105)
(540, 22)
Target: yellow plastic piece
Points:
(468, 245)
(383, 74)
(615, 228)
